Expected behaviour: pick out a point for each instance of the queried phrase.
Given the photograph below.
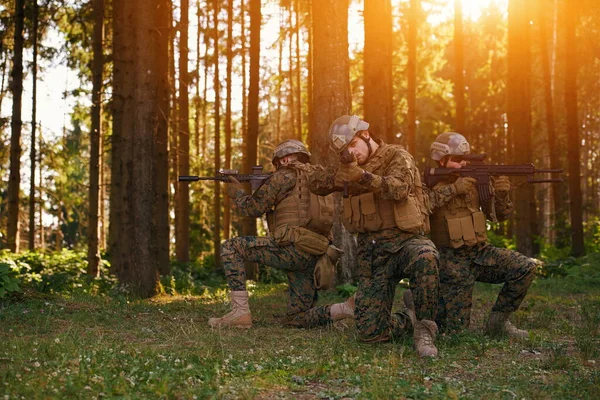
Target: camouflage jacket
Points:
(271, 192)
(393, 170)
(444, 192)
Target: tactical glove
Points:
(464, 185)
(502, 184)
(350, 172)
(234, 188)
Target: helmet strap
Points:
(367, 141)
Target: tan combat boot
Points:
(424, 331)
(239, 316)
(499, 325)
(342, 310)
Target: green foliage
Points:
(190, 278)
(9, 283)
(63, 272)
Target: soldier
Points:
(386, 206)
(299, 226)
(458, 229)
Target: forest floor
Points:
(98, 347)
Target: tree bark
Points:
(378, 69)
(573, 142)
(411, 76)
(331, 97)
(217, 145)
(251, 143)
(14, 180)
(32, 153)
(519, 116)
(183, 198)
(226, 199)
(93, 254)
(459, 76)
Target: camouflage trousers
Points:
(299, 265)
(461, 268)
(382, 264)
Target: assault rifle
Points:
(481, 173)
(256, 178)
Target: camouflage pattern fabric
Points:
(298, 264)
(389, 255)
(461, 268)
(382, 264)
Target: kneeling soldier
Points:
(458, 229)
(299, 226)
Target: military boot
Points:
(239, 316)
(499, 325)
(343, 310)
(424, 331)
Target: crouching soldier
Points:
(299, 226)
(458, 229)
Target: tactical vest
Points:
(303, 218)
(460, 222)
(368, 212)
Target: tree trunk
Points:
(93, 254)
(139, 47)
(378, 69)
(217, 148)
(14, 180)
(411, 76)
(331, 97)
(183, 198)
(553, 149)
(161, 142)
(249, 224)
(573, 142)
(291, 102)
(32, 153)
(298, 92)
(226, 199)
(519, 116)
(459, 76)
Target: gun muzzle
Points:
(188, 178)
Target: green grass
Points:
(84, 347)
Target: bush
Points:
(9, 283)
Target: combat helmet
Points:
(343, 129)
(287, 147)
(449, 144)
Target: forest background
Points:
(167, 88)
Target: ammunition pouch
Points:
(325, 268)
(304, 239)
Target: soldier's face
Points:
(359, 148)
(455, 162)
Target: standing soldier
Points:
(458, 229)
(384, 203)
(299, 225)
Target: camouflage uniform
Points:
(388, 255)
(298, 264)
(475, 260)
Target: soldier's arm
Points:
(441, 194)
(322, 182)
(503, 205)
(272, 191)
(398, 180)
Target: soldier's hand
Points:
(234, 188)
(502, 184)
(350, 172)
(464, 185)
